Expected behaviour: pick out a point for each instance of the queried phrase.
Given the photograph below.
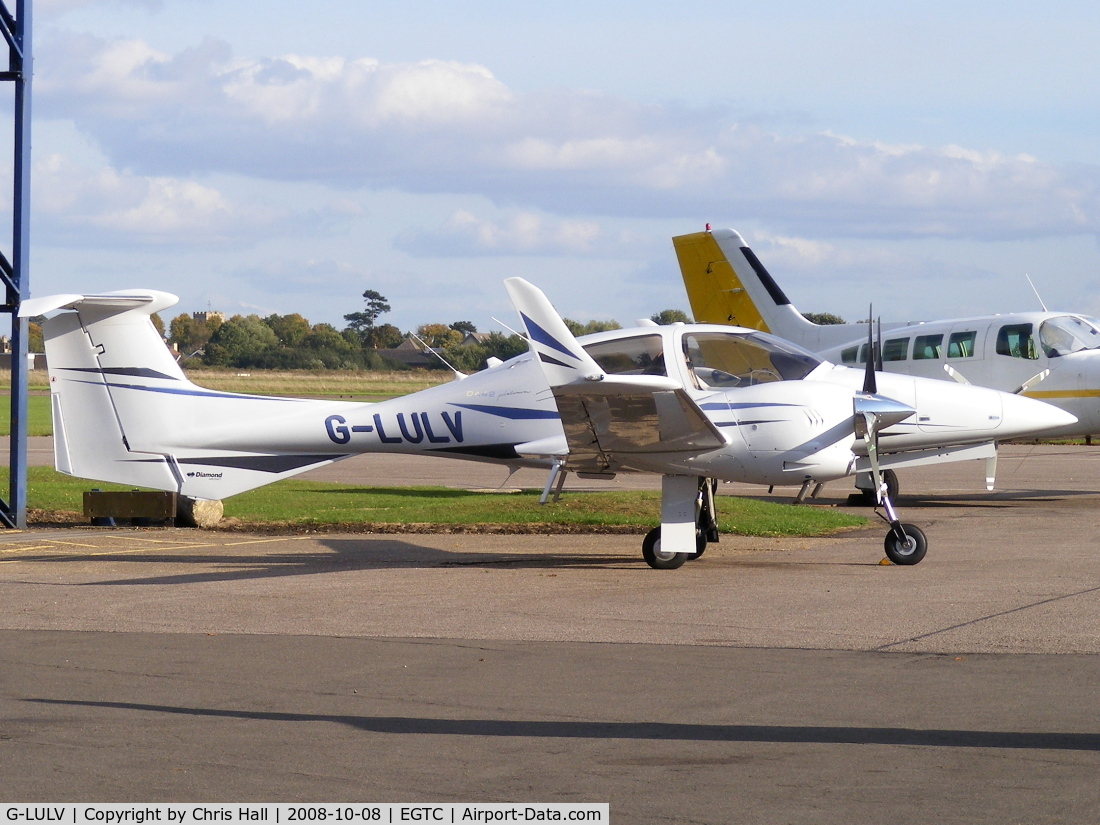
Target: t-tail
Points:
(123, 410)
(727, 284)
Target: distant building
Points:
(208, 316)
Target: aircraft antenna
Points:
(1033, 289)
(507, 327)
(446, 363)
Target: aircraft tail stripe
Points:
(260, 463)
(133, 372)
(544, 337)
(765, 278)
(195, 393)
(546, 359)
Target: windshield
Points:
(741, 359)
(1068, 333)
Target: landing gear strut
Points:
(675, 504)
(905, 543)
(866, 497)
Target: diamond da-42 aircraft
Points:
(692, 403)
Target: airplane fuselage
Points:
(1002, 352)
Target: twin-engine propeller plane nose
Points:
(693, 403)
(1049, 356)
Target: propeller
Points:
(870, 385)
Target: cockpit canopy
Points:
(1065, 334)
(710, 358)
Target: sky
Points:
(284, 157)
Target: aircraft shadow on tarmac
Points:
(347, 554)
(660, 731)
(983, 499)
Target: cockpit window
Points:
(640, 355)
(1066, 334)
(1016, 341)
(741, 359)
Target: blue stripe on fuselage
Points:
(513, 413)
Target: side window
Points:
(927, 346)
(848, 356)
(961, 344)
(894, 349)
(1016, 341)
(643, 355)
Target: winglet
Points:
(563, 359)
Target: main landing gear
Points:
(866, 497)
(669, 555)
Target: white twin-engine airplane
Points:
(1050, 356)
(693, 403)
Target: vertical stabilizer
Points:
(727, 284)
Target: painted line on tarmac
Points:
(161, 545)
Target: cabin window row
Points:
(925, 347)
(1060, 335)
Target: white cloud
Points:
(446, 127)
(285, 276)
(75, 203)
(524, 233)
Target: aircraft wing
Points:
(609, 420)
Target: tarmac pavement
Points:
(772, 680)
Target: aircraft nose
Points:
(1027, 416)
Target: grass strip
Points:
(39, 417)
(303, 504)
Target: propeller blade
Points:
(870, 385)
(1031, 382)
(955, 374)
(872, 414)
(878, 347)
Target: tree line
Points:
(292, 342)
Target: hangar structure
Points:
(14, 271)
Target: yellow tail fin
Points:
(716, 294)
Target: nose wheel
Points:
(909, 548)
(905, 543)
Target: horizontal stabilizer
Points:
(121, 301)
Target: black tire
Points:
(700, 545)
(867, 498)
(911, 552)
(892, 486)
(651, 552)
